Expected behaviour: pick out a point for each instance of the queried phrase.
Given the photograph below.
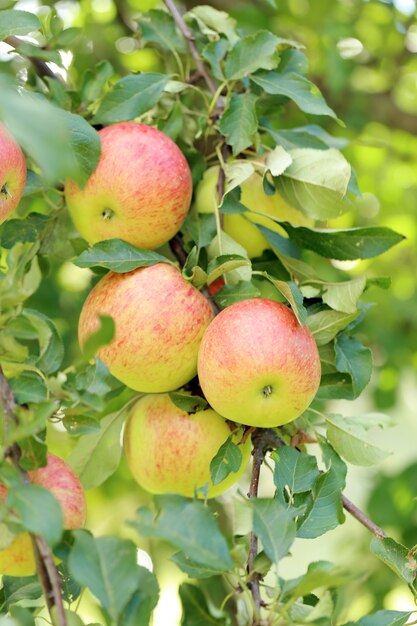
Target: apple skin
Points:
(159, 322)
(140, 190)
(257, 365)
(12, 174)
(17, 559)
(239, 227)
(169, 450)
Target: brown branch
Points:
(41, 67)
(179, 20)
(45, 566)
(177, 248)
(362, 518)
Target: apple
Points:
(169, 450)
(239, 226)
(12, 174)
(17, 558)
(257, 365)
(140, 190)
(159, 318)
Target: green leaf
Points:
(213, 22)
(282, 244)
(190, 527)
(294, 471)
(158, 27)
(107, 566)
(195, 609)
(296, 87)
(351, 441)
(383, 618)
(27, 230)
(323, 506)
(30, 50)
(101, 337)
(51, 348)
(194, 570)
(15, 22)
(243, 290)
(316, 182)
(29, 387)
(85, 145)
(292, 293)
(277, 161)
(187, 402)
(225, 263)
(309, 136)
(396, 556)
(140, 607)
(38, 510)
(344, 296)
(231, 247)
(345, 245)
(130, 97)
(325, 324)
(252, 53)
(21, 588)
(354, 359)
(319, 574)
(23, 616)
(239, 122)
(273, 524)
(227, 460)
(97, 456)
(118, 256)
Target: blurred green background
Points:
(363, 56)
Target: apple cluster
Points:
(256, 365)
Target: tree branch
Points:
(179, 20)
(41, 67)
(45, 566)
(362, 518)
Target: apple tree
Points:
(262, 232)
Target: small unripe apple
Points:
(242, 228)
(159, 322)
(12, 174)
(17, 558)
(257, 365)
(169, 450)
(140, 190)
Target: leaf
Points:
(294, 471)
(350, 440)
(195, 609)
(252, 53)
(282, 244)
(324, 507)
(309, 136)
(225, 263)
(344, 296)
(278, 160)
(97, 456)
(15, 22)
(239, 122)
(50, 343)
(344, 245)
(140, 607)
(325, 324)
(384, 618)
(107, 566)
(27, 230)
(85, 145)
(38, 510)
(130, 97)
(194, 570)
(211, 21)
(158, 27)
(227, 460)
(230, 247)
(243, 290)
(29, 387)
(296, 87)
(316, 182)
(190, 527)
(237, 172)
(396, 556)
(187, 402)
(273, 524)
(292, 293)
(319, 574)
(101, 337)
(118, 256)
(354, 359)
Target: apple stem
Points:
(179, 20)
(45, 566)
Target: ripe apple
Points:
(257, 365)
(12, 174)
(169, 450)
(140, 190)
(159, 322)
(239, 227)
(17, 559)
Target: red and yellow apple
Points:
(169, 450)
(242, 227)
(257, 365)
(159, 322)
(12, 174)
(140, 190)
(17, 558)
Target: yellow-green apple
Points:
(169, 450)
(140, 190)
(257, 365)
(159, 322)
(242, 227)
(17, 558)
(12, 174)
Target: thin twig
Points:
(41, 67)
(177, 248)
(362, 518)
(179, 20)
